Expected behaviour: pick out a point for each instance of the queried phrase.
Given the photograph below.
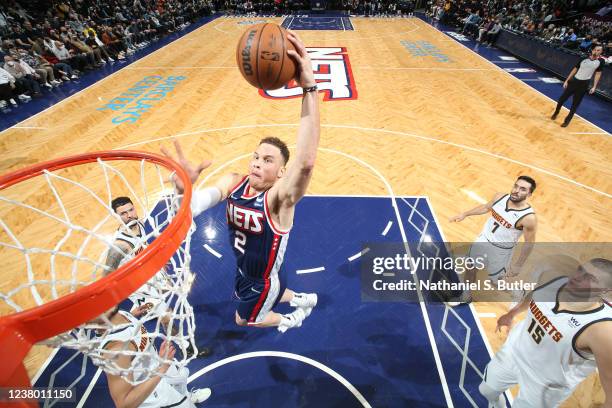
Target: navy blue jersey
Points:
(259, 246)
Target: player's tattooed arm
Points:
(113, 259)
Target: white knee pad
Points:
(496, 398)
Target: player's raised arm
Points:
(207, 197)
(292, 187)
(479, 210)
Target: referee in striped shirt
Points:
(578, 81)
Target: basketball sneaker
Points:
(291, 320)
(199, 395)
(305, 301)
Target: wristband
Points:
(310, 89)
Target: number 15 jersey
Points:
(258, 244)
(544, 343)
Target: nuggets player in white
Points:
(126, 334)
(511, 217)
(129, 241)
(565, 336)
(260, 210)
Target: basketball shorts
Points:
(496, 259)
(503, 372)
(170, 391)
(256, 297)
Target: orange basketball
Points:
(262, 56)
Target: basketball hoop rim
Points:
(19, 331)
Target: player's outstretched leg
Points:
(496, 398)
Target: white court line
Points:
(421, 68)
(481, 329)
(290, 356)
(108, 76)
(218, 29)
(92, 383)
(301, 271)
(426, 320)
(394, 132)
(432, 341)
(512, 76)
(212, 251)
(44, 366)
(358, 254)
(387, 228)
(483, 314)
(473, 195)
(183, 67)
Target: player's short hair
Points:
(275, 141)
(530, 181)
(119, 201)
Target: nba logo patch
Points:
(332, 71)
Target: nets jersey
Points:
(544, 343)
(501, 226)
(258, 244)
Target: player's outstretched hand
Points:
(303, 75)
(504, 320)
(166, 352)
(192, 170)
(457, 218)
(141, 310)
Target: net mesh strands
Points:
(57, 228)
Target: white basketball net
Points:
(55, 233)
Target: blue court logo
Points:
(425, 49)
(141, 97)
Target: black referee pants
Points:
(576, 88)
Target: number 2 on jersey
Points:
(239, 240)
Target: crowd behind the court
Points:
(45, 44)
(553, 21)
(353, 7)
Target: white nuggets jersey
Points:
(501, 226)
(151, 291)
(165, 394)
(137, 242)
(544, 343)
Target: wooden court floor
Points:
(455, 131)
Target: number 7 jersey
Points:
(258, 244)
(501, 226)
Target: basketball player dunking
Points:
(511, 217)
(566, 334)
(260, 210)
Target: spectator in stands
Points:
(24, 79)
(491, 36)
(44, 72)
(7, 89)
